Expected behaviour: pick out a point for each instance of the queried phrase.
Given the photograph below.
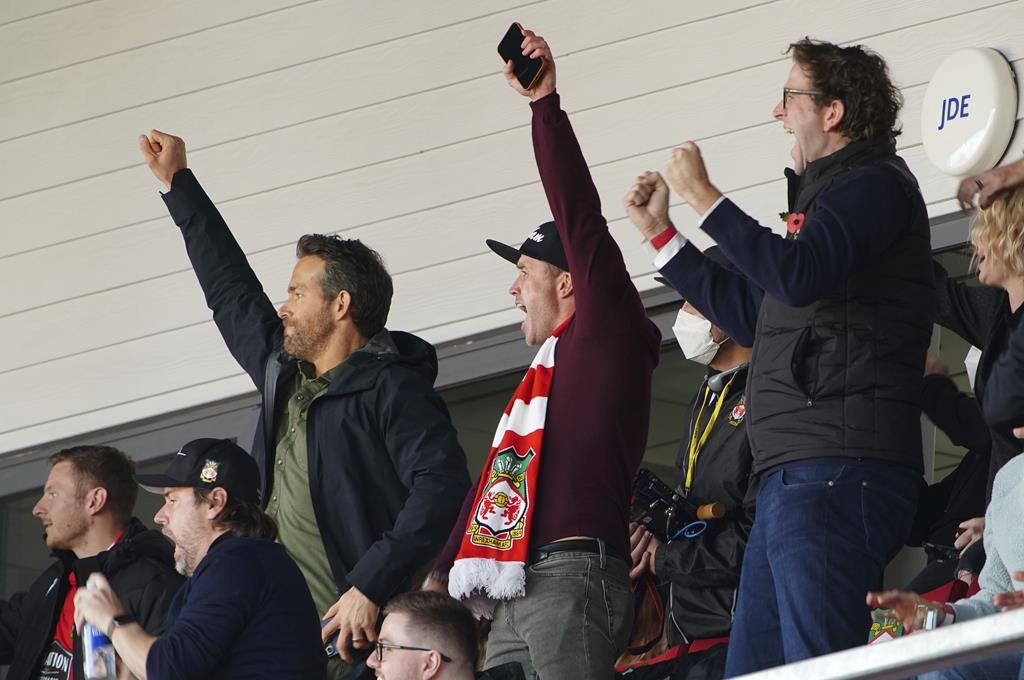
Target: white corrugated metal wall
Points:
(384, 120)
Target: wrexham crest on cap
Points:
(501, 513)
(208, 475)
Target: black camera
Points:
(666, 513)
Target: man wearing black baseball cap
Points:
(584, 408)
(246, 610)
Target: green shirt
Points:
(290, 503)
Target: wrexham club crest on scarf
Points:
(500, 516)
(491, 562)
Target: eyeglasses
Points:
(381, 646)
(786, 91)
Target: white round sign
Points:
(969, 111)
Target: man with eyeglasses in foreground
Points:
(425, 635)
(845, 304)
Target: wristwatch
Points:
(118, 621)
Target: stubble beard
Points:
(308, 341)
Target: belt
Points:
(584, 545)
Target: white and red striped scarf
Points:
(491, 562)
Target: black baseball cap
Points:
(207, 464)
(543, 244)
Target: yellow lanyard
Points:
(698, 438)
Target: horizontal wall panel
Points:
(453, 51)
(241, 50)
(110, 378)
(417, 243)
(22, 10)
(265, 223)
(586, 72)
(388, 132)
(150, 406)
(125, 25)
(397, 130)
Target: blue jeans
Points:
(1005, 667)
(573, 623)
(823, 532)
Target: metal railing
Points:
(916, 653)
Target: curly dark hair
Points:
(351, 265)
(857, 77)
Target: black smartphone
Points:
(942, 552)
(331, 646)
(527, 70)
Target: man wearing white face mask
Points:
(698, 339)
(714, 464)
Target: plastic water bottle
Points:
(99, 659)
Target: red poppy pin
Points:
(794, 222)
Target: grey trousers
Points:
(574, 621)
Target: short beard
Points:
(309, 342)
(183, 565)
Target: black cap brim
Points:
(504, 250)
(665, 282)
(157, 483)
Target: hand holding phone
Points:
(331, 645)
(533, 73)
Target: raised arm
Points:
(728, 299)
(243, 313)
(989, 184)
(603, 288)
(848, 229)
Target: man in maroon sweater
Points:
(574, 619)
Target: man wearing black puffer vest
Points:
(86, 509)
(844, 306)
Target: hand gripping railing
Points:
(907, 656)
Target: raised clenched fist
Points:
(164, 154)
(646, 204)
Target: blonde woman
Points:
(988, 315)
(1004, 405)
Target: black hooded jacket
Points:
(140, 568)
(386, 472)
